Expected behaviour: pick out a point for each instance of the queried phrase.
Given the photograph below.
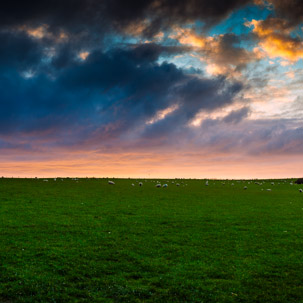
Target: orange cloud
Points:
(275, 39)
(83, 55)
(160, 115)
(42, 31)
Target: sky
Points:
(151, 88)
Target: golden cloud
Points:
(276, 40)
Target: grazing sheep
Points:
(300, 190)
(165, 185)
(268, 189)
(45, 180)
(245, 187)
(158, 185)
(140, 183)
(206, 183)
(111, 182)
(133, 184)
(178, 184)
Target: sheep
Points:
(45, 180)
(177, 184)
(111, 182)
(206, 183)
(245, 187)
(140, 183)
(133, 184)
(268, 189)
(158, 185)
(300, 190)
(165, 185)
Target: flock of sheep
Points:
(141, 184)
(158, 185)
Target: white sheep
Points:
(140, 183)
(300, 190)
(165, 185)
(245, 187)
(158, 185)
(111, 182)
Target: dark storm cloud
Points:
(100, 16)
(105, 96)
(291, 10)
(18, 51)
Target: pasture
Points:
(87, 241)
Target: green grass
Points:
(88, 241)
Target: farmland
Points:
(87, 241)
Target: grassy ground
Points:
(87, 241)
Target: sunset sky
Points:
(151, 88)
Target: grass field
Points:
(87, 241)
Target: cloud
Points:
(237, 115)
(19, 52)
(275, 38)
(76, 16)
(291, 10)
(107, 96)
(222, 53)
